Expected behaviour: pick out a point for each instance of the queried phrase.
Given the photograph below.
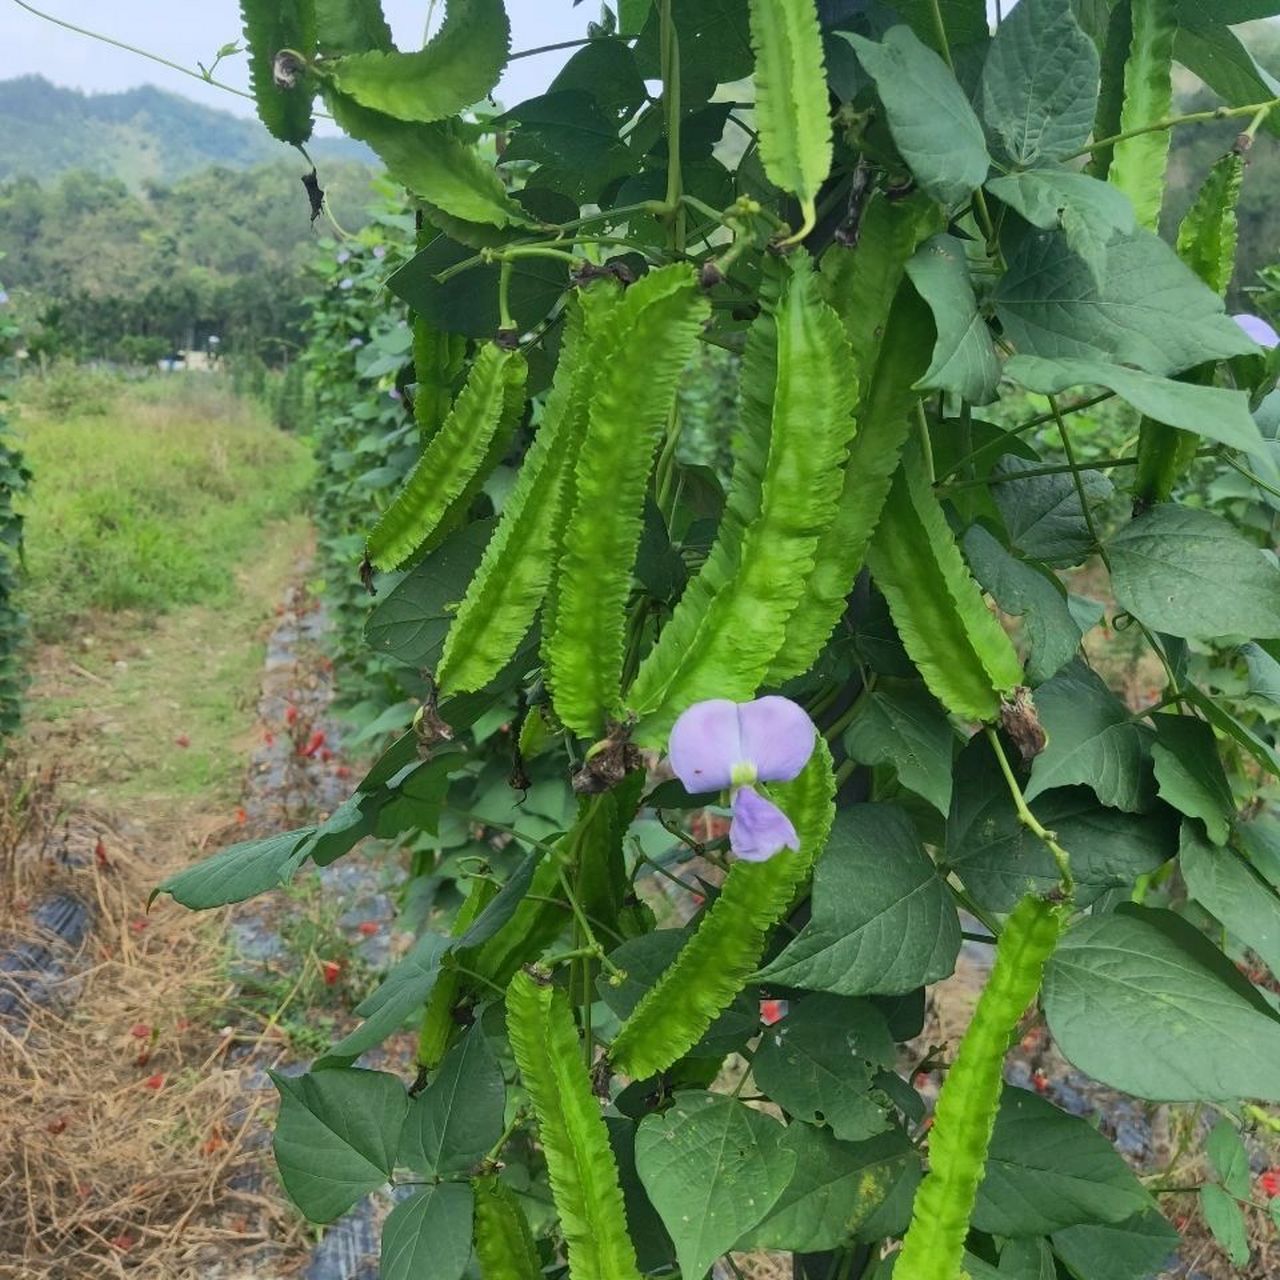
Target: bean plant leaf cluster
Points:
(828, 351)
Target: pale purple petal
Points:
(777, 737)
(759, 828)
(705, 745)
(1258, 329)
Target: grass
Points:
(147, 498)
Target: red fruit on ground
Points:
(331, 970)
(241, 816)
(57, 1126)
(155, 1082)
(1269, 1183)
(182, 740)
(138, 923)
(291, 714)
(342, 771)
(269, 738)
(314, 743)
(368, 927)
(100, 853)
(140, 1031)
(124, 1242)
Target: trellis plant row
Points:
(15, 478)
(897, 218)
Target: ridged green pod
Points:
(451, 460)
(508, 587)
(504, 1245)
(957, 643)
(644, 344)
(797, 397)
(1138, 164)
(1207, 244)
(933, 1248)
(580, 1162)
(715, 964)
(271, 26)
(437, 365)
(791, 98)
(458, 66)
(889, 330)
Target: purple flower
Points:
(718, 744)
(343, 256)
(4, 298)
(354, 344)
(379, 250)
(346, 282)
(394, 393)
(1258, 329)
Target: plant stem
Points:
(1074, 468)
(926, 444)
(1248, 475)
(562, 44)
(1029, 819)
(505, 323)
(979, 913)
(1169, 122)
(1054, 469)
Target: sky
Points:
(191, 31)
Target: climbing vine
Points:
(14, 480)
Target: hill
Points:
(138, 136)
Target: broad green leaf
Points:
(900, 723)
(1210, 411)
(1138, 163)
(434, 161)
(791, 97)
(1094, 741)
(336, 1137)
(1042, 514)
(401, 992)
(1052, 634)
(964, 357)
(1208, 48)
(1027, 1260)
(1040, 83)
(1229, 1158)
(836, 1187)
(965, 21)
(411, 624)
(1000, 861)
(1225, 1219)
(1132, 1250)
(1189, 773)
(606, 69)
(1148, 309)
(713, 1168)
(236, 873)
(955, 641)
(428, 1236)
(458, 1117)
(1089, 212)
(351, 26)
(931, 121)
(1227, 887)
(458, 66)
(1207, 234)
(1047, 1170)
(883, 920)
(1264, 672)
(818, 1064)
(1222, 720)
(1190, 573)
(1140, 1000)
(269, 27)
(715, 45)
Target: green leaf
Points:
(605, 69)
(1190, 573)
(1227, 887)
(713, 1168)
(964, 357)
(1215, 412)
(1040, 83)
(1088, 211)
(1094, 741)
(1042, 514)
(1128, 1250)
(883, 920)
(1141, 1001)
(458, 1117)
(458, 66)
(336, 1137)
(411, 624)
(1225, 1219)
(900, 723)
(791, 98)
(817, 1064)
(1138, 163)
(965, 21)
(1211, 50)
(1053, 635)
(1222, 720)
(236, 873)
(931, 121)
(1047, 1170)
(351, 26)
(428, 1236)
(1189, 773)
(1000, 860)
(504, 1244)
(269, 27)
(1148, 309)
(835, 1189)
(402, 991)
(1027, 1260)
(1229, 1158)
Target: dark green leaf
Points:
(574, 142)
(1190, 774)
(1228, 1157)
(1040, 83)
(1027, 1260)
(606, 69)
(428, 1236)
(336, 1137)
(883, 920)
(1222, 720)
(901, 724)
(1225, 1219)
(1208, 48)
(1132, 1250)
(1264, 673)
(1042, 513)
(236, 873)
(1141, 1001)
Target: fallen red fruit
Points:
(314, 743)
(124, 1242)
(368, 927)
(331, 970)
(1040, 1081)
(154, 1082)
(269, 738)
(182, 740)
(342, 771)
(291, 714)
(241, 816)
(1269, 1183)
(57, 1126)
(140, 1031)
(100, 853)
(138, 923)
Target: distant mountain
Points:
(136, 136)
